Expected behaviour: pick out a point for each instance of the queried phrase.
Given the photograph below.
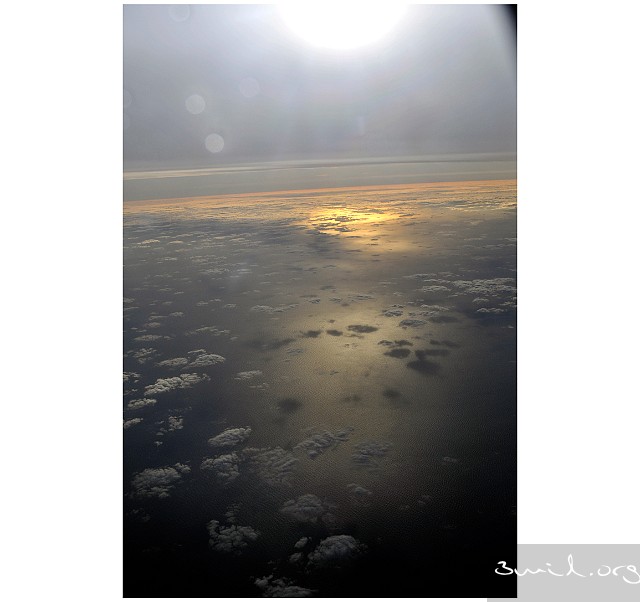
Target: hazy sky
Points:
(213, 85)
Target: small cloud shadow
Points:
(433, 352)
(395, 398)
(265, 345)
(423, 365)
(289, 405)
(443, 319)
(361, 328)
(399, 353)
(445, 343)
(311, 334)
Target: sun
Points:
(341, 26)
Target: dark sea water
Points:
(329, 375)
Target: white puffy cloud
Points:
(130, 377)
(281, 588)
(273, 310)
(137, 404)
(307, 508)
(176, 362)
(368, 453)
(249, 374)
(412, 322)
(206, 359)
(144, 355)
(489, 287)
(184, 381)
(157, 482)
(175, 423)
(231, 539)
(335, 551)
(212, 330)
(149, 337)
(132, 422)
(273, 465)
(230, 437)
(491, 310)
(321, 442)
(225, 467)
(359, 493)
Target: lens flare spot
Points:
(214, 143)
(195, 104)
(249, 87)
(179, 12)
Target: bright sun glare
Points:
(347, 25)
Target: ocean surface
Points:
(320, 392)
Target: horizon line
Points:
(276, 193)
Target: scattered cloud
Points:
(248, 375)
(212, 330)
(132, 422)
(307, 508)
(336, 551)
(130, 377)
(230, 437)
(359, 494)
(411, 323)
(157, 482)
(492, 310)
(273, 465)
(225, 467)
(486, 287)
(176, 362)
(206, 359)
(144, 355)
(138, 404)
(368, 453)
(231, 539)
(320, 442)
(174, 423)
(184, 381)
(281, 588)
(273, 310)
